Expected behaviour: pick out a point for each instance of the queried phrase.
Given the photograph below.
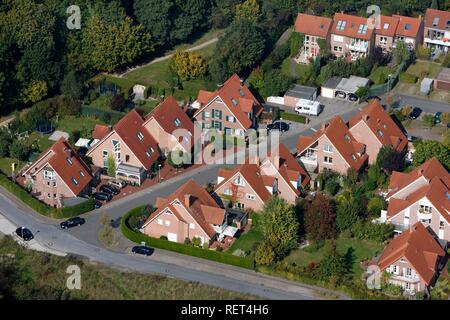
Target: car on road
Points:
(437, 117)
(144, 250)
(278, 125)
(102, 196)
(109, 189)
(97, 204)
(415, 113)
(116, 183)
(72, 222)
(24, 233)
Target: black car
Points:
(146, 251)
(278, 125)
(72, 222)
(352, 97)
(101, 196)
(97, 204)
(109, 189)
(24, 233)
(415, 113)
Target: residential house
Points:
(58, 176)
(314, 29)
(437, 30)
(351, 37)
(332, 147)
(423, 195)
(251, 184)
(409, 30)
(131, 146)
(374, 127)
(169, 124)
(385, 33)
(413, 260)
(190, 212)
(232, 109)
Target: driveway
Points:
(426, 105)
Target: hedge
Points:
(292, 117)
(407, 78)
(180, 248)
(41, 207)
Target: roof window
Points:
(407, 26)
(234, 101)
(177, 122)
(69, 161)
(140, 136)
(74, 181)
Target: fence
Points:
(380, 89)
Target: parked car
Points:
(412, 138)
(437, 117)
(278, 125)
(24, 233)
(119, 184)
(101, 196)
(341, 94)
(415, 113)
(144, 250)
(97, 204)
(72, 222)
(352, 97)
(81, 152)
(109, 189)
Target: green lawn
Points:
(85, 124)
(361, 250)
(5, 165)
(424, 68)
(40, 141)
(248, 240)
(380, 74)
(147, 105)
(294, 70)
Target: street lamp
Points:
(159, 172)
(389, 82)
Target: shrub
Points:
(264, 254)
(163, 238)
(375, 205)
(186, 241)
(407, 78)
(332, 187)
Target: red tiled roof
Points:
(388, 26)
(167, 112)
(202, 207)
(429, 169)
(128, 129)
(440, 16)
(436, 192)
(408, 26)
(341, 138)
(233, 90)
(67, 165)
(418, 247)
(312, 25)
(382, 125)
(100, 131)
(352, 25)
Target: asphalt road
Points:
(426, 105)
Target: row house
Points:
(398, 28)
(191, 212)
(58, 175)
(422, 195)
(250, 185)
(314, 29)
(437, 30)
(413, 260)
(230, 110)
(129, 144)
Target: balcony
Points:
(309, 160)
(441, 41)
(359, 47)
(423, 215)
(405, 278)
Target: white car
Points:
(117, 183)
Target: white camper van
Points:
(308, 107)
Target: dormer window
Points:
(362, 29)
(177, 122)
(140, 136)
(436, 21)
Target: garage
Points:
(329, 87)
(347, 87)
(172, 237)
(297, 93)
(442, 81)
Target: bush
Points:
(265, 254)
(178, 247)
(332, 187)
(375, 205)
(407, 78)
(292, 117)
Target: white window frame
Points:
(328, 148)
(160, 222)
(250, 196)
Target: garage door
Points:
(172, 237)
(327, 92)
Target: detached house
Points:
(413, 260)
(374, 127)
(232, 109)
(423, 195)
(437, 30)
(190, 212)
(169, 124)
(351, 37)
(333, 147)
(131, 146)
(251, 184)
(58, 175)
(313, 28)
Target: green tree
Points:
(428, 121)
(71, 86)
(36, 91)
(118, 103)
(333, 267)
(265, 254)
(275, 83)
(249, 11)
(5, 141)
(111, 166)
(375, 205)
(296, 43)
(347, 211)
(19, 150)
(400, 53)
(390, 160)
(154, 15)
(188, 65)
(279, 225)
(320, 219)
(427, 149)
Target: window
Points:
(407, 285)
(82, 174)
(408, 272)
(140, 136)
(50, 175)
(54, 195)
(160, 222)
(426, 221)
(227, 191)
(353, 157)
(191, 226)
(328, 148)
(167, 223)
(177, 122)
(49, 196)
(54, 183)
(206, 113)
(341, 25)
(69, 161)
(250, 196)
(234, 101)
(230, 119)
(127, 158)
(217, 114)
(380, 133)
(425, 209)
(441, 225)
(386, 26)
(362, 29)
(74, 181)
(148, 154)
(328, 160)
(239, 181)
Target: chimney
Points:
(187, 200)
(420, 172)
(366, 117)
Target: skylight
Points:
(69, 161)
(241, 92)
(234, 101)
(407, 26)
(177, 122)
(362, 29)
(435, 21)
(341, 25)
(140, 136)
(386, 26)
(74, 181)
(81, 174)
(380, 133)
